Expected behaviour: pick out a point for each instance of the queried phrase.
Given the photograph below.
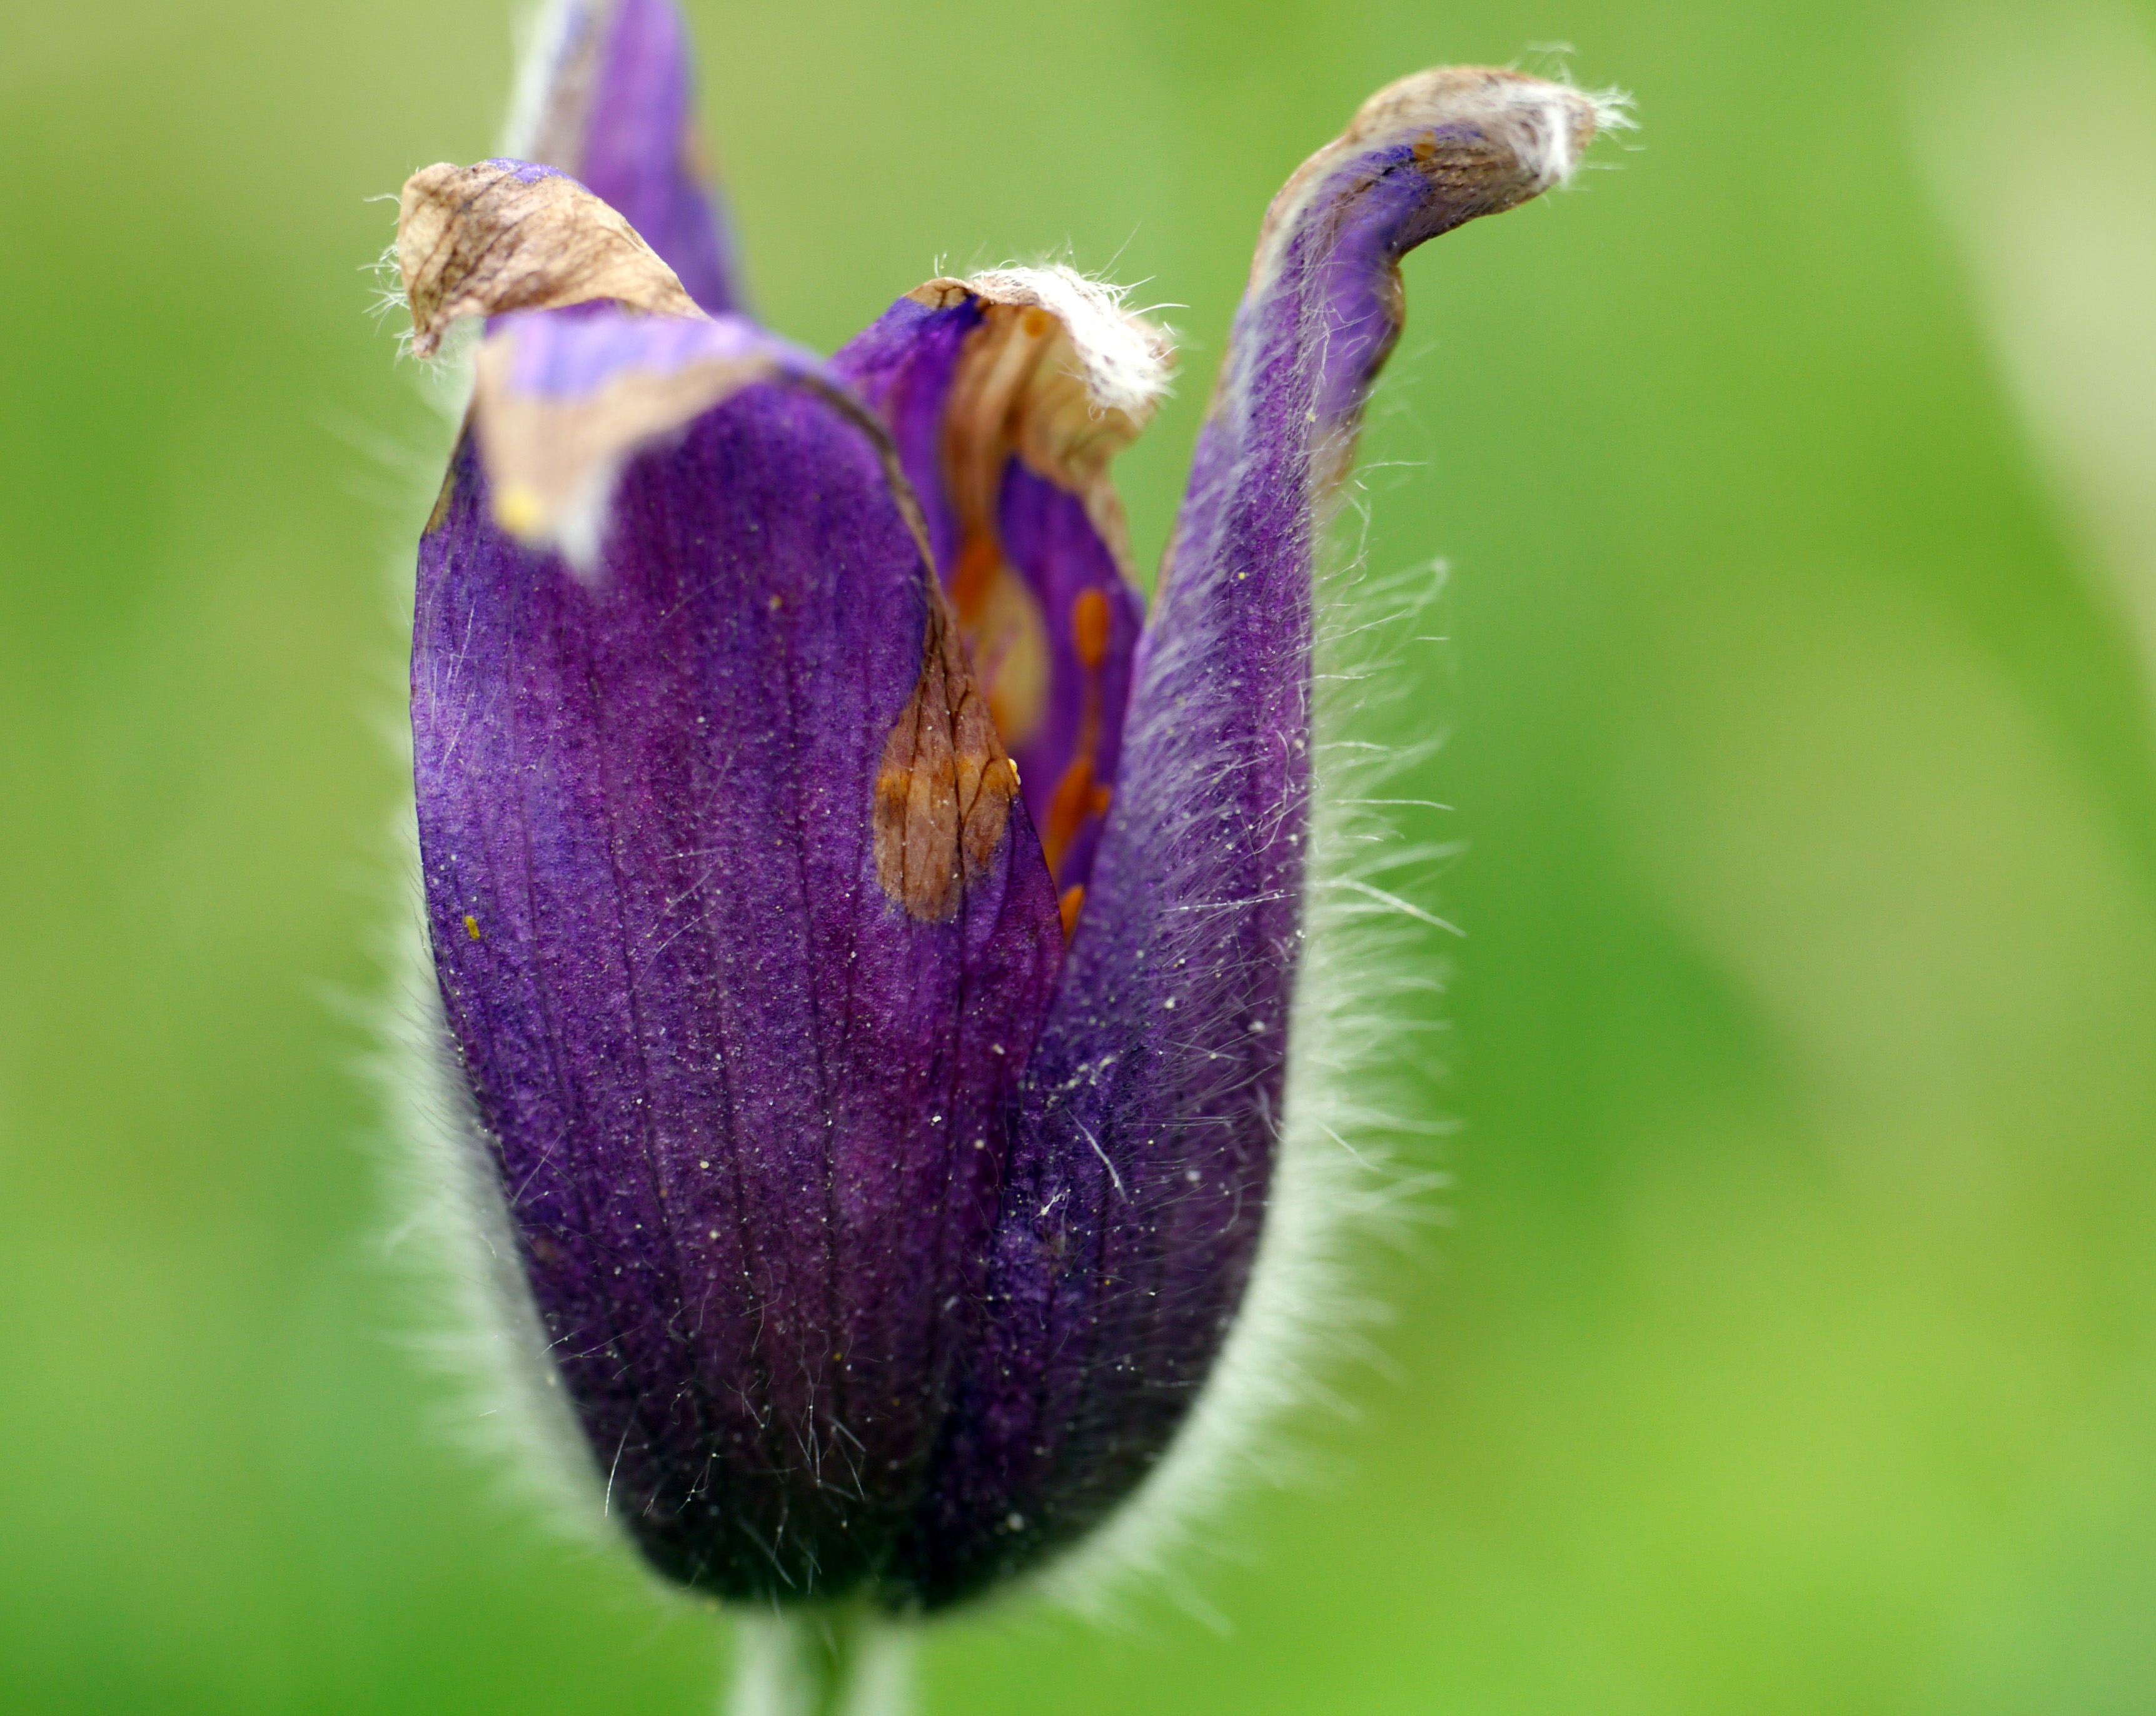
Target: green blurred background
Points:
(1788, 1346)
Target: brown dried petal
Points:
(501, 236)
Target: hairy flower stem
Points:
(841, 1659)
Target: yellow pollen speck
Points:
(471, 926)
(519, 510)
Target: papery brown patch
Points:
(944, 787)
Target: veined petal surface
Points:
(741, 932)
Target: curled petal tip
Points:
(1420, 157)
(505, 235)
(560, 402)
(1544, 125)
(1481, 139)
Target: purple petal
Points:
(1007, 396)
(1152, 1100)
(613, 103)
(741, 939)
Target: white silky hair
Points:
(480, 1327)
(471, 1321)
(1124, 360)
(1612, 112)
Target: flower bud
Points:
(869, 939)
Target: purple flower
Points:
(868, 938)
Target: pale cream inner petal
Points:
(1059, 375)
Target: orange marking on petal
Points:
(980, 562)
(1072, 902)
(1006, 635)
(1067, 810)
(1089, 627)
